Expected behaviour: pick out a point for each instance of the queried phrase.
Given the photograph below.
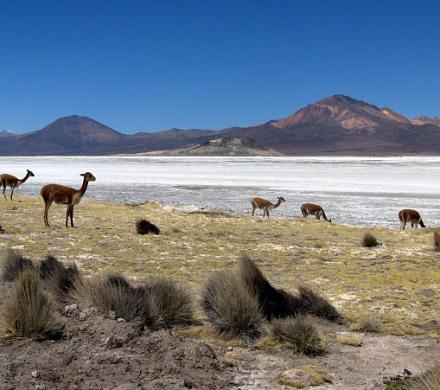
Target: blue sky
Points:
(150, 65)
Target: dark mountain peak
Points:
(342, 111)
(7, 134)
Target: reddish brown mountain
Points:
(337, 125)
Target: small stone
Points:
(111, 315)
(121, 320)
(70, 309)
(40, 387)
(229, 349)
(35, 374)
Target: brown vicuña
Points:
(313, 209)
(264, 204)
(64, 195)
(408, 215)
(13, 182)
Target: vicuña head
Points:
(314, 209)
(265, 205)
(64, 195)
(13, 182)
(408, 215)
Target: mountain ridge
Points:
(335, 125)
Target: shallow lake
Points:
(352, 190)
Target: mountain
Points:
(423, 120)
(7, 134)
(341, 125)
(226, 146)
(336, 125)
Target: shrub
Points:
(436, 240)
(230, 307)
(29, 312)
(145, 227)
(13, 265)
(158, 304)
(60, 279)
(116, 280)
(429, 380)
(317, 305)
(371, 324)
(126, 302)
(274, 302)
(301, 332)
(369, 241)
(169, 305)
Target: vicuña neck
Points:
(83, 188)
(25, 178)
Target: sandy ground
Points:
(398, 281)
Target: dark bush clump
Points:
(231, 307)
(312, 303)
(115, 280)
(274, 302)
(436, 241)
(29, 312)
(369, 241)
(13, 265)
(145, 227)
(60, 279)
(301, 332)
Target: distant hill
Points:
(337, 125)
(424, 120)
(221, 147)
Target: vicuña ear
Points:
(82, 174)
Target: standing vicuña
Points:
(266, 205)
(64, 195)
(408, 215)
(313, 209)
(13, 182)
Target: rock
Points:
(70, 309)
(121, 319)
(112, 315)
(35, 374)
(303, 376)
(40, 387)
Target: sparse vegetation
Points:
(429, 380)
(145, 227)
(314, 304)
(369, 241)
(29, 312)
(13, 264)
(230, 307)
(349, 340)
(301, 332)
(372, 324)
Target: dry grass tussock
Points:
(314, 304)
(301, 332)
(12, 265)
(372, 324)
(160, 303)
(29, 312)
(231, 308)
(430, 380)
(59, 279)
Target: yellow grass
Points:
(398, 281)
